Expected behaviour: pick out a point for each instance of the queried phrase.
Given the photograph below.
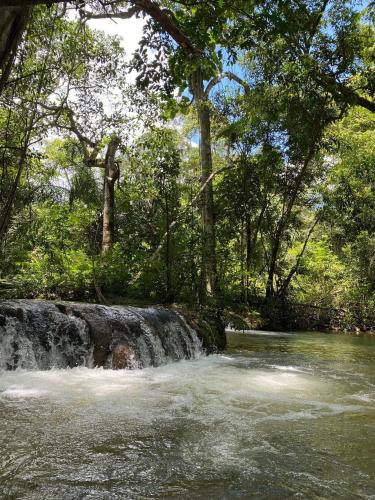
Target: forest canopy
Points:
(230, 160)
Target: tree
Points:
(196, 61)
(195, 29)
(157, 157)
(23, 123)
(297, 64)
(94, 104)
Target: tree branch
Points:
(115, 15)
(24, 3)
(341, 92)
(161, 16)
(295, 268)
(149, 7)
(167, 23)
(231, 76)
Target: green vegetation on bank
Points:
(105, 193)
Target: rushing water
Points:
(43, 335)
(276, 416)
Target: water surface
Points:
(276, 416)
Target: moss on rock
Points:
(209, 324)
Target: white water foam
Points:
(230, 426)
(22, 393)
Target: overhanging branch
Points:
(115, 15)
(230, 76)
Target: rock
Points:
(123, 356)
(43, 334)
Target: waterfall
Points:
(43, 335)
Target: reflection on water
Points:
(276, 416)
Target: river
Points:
(277, 415)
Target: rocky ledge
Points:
(43, 334)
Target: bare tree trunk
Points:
(209, 280)
(248, 235)
(111, 174)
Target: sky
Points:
(130, 30)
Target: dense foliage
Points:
(105, 193)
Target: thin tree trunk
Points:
(209, 280)
(111, 175)
(270, 291)
(283, 290)
(249, 251)
(284, 221)
(168, 255)
(242, 263)
(194, 280)
(247, 230)
(7, 210)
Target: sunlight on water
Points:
(273, 417)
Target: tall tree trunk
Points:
(111, 175)
(9, 40)
(248, 233)
(251, 241)
(209, 280)
(12, 24)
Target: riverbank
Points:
(290, 316)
